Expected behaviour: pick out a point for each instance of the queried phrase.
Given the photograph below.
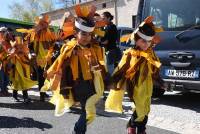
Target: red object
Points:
(131, 130)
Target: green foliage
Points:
(29, 9)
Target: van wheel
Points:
(157, 92)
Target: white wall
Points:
(123, 14)
(126, 9)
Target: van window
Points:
(125, 32)
(174, 15)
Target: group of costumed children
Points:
(77, 74)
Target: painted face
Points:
(84, 38)
(143, 44)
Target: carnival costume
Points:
(76, 75)
(135, 73)
(43, 40)
(19, 69)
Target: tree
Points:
(29, 9)
(68, 3)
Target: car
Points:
(123, 31)
(180, 61)
(179, 49)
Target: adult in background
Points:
(109, 42)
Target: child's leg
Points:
(81, 125)
(15, 95)
(25, 96)
(41, 80)
(131, 126)
(139, 125)
(142, 99)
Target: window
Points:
(104, 5)
(174, 15)
(174, 21)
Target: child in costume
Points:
(76, 75)
(18, 68)
(137, 70)
(42, 39)
(4, 47)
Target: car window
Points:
(118, 34)
(125, 32)
(172, 15)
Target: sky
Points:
(4, 10)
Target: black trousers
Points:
(81, 125)
(40, 77)
(82, 91)
(41, 80)
(141, 126)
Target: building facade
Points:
(122, 10)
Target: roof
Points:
(16, 21)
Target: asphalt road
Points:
(38, 118)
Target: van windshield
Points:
(174, 15)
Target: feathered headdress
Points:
(83, 20)
(146, 30)
(40, 32)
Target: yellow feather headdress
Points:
(40, 32)
(68, 23)
(149, 20)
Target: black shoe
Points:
(46, 95)
(74, 132)
(43, 96)
(142, 132)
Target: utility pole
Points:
(116, 14)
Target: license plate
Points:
(182, 73)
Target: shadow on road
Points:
(186, 100)
(36, 105)
(13, 122)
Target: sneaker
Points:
(131, 130)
